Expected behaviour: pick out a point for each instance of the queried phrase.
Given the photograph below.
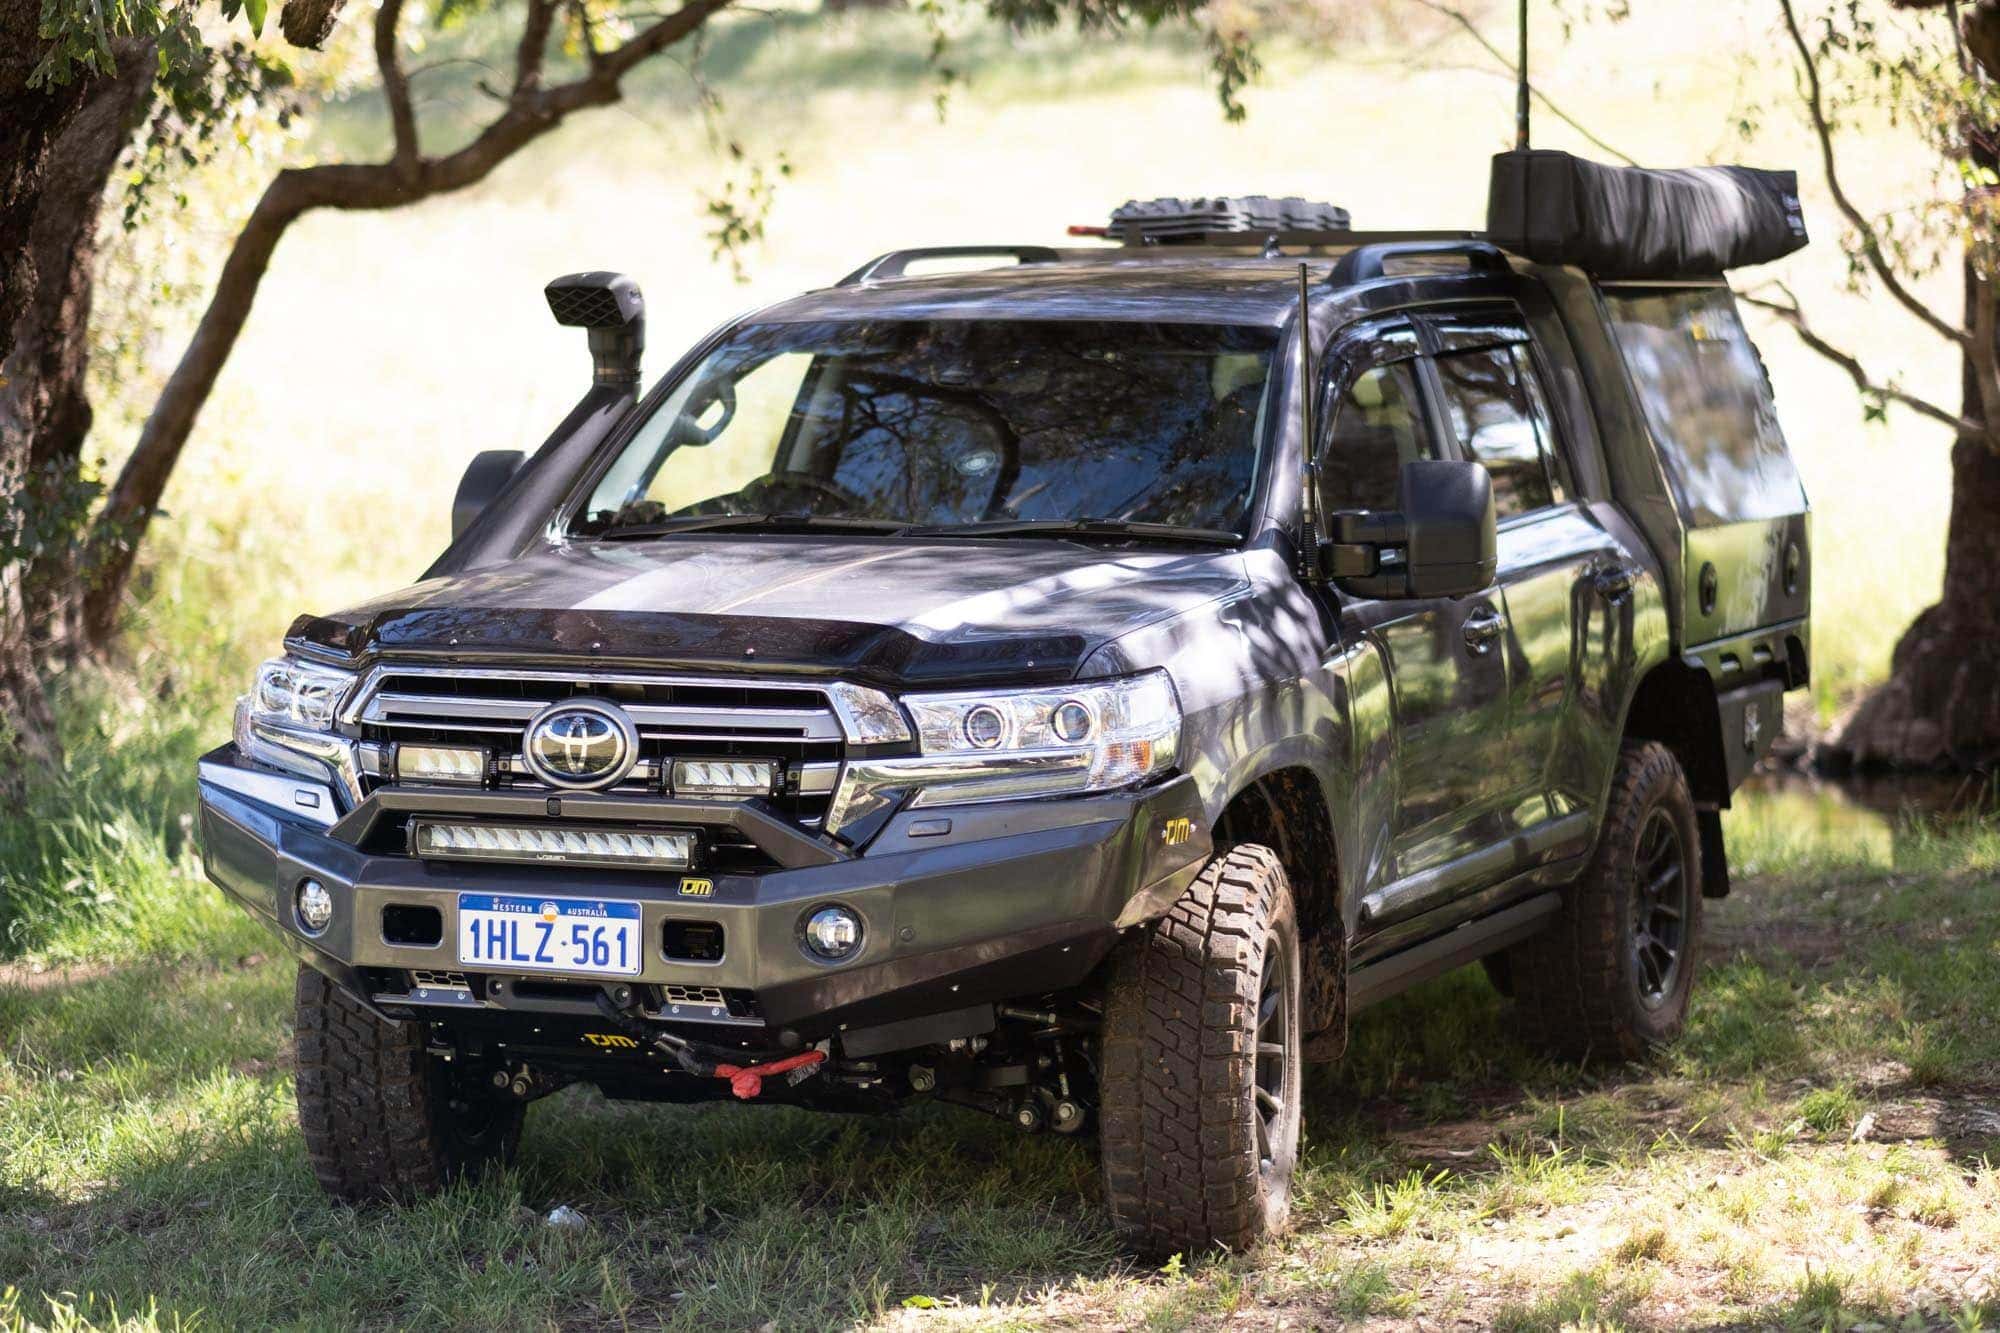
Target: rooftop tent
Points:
(1632, 222)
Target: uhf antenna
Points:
(1521, 86)
(1308, 426)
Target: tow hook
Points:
(745, 1081)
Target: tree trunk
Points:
(1940, 707)
(59, 148)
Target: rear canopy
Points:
(1632, 222)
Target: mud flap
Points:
(1714, 859)
(1323, 994)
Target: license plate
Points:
(568, 935)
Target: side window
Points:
(1501, 417)
(1708, 402)
(1377, 426)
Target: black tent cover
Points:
(1631, 222)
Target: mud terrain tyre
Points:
(1610, 977)
(1199, 1071)
(383, 1118)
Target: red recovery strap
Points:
(747, 1081)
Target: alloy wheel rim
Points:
(1659, 909)
(1271, 1085)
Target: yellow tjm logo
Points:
(1177, 831)
(611, 1041)
(697, 888)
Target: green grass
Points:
(151, 1173)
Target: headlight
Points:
(1011, 744)
(286, 721)
(299, 694)
(1127, 729)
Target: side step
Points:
(1386, 977)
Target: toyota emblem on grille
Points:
(580, 743)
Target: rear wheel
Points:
(383, 1118)
(1200, 1068)
(1612, 975)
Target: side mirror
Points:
(1441, 544)
(483, 481)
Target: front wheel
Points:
(383, 1118)
(1199, 1076)
(1612, 975)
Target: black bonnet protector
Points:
(889, 615)
(1631, 222)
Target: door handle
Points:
(1481, 628)
(1613, 581)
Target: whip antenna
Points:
(1521, 86)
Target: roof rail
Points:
(897, 262)
(1364, 263)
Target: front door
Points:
(1442, 660)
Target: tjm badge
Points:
(1176, 831)
(697, 888)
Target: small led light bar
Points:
(578, 845)
(441, 763)
(725, 777)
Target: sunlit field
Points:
(1818, 1152)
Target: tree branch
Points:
(534, 47)
(396, 86)
(1871, 244)
(1459, 17)
(1789, 311)
(531, 112)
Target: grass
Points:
(151, 1174)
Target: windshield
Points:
(942, 424)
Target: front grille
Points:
(793, 726)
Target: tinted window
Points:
(1494, 415)
(1377, 427)
(955, 421)
(1708, 403)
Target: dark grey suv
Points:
(1071, 688)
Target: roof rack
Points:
(1225, 219)
(897, 262)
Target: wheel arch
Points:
(1675, 704)
(1287, 809)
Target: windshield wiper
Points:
(766, 522)
(1075, 527)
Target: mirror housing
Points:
(1442, 543)
(485, 477)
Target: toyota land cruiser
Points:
(1071, 687)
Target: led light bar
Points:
(441, 763)
(725, 777)
(578, 845)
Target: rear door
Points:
(1561, 573)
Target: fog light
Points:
(440, 763)
(724, 777)
(833, 933)
(315, 906)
